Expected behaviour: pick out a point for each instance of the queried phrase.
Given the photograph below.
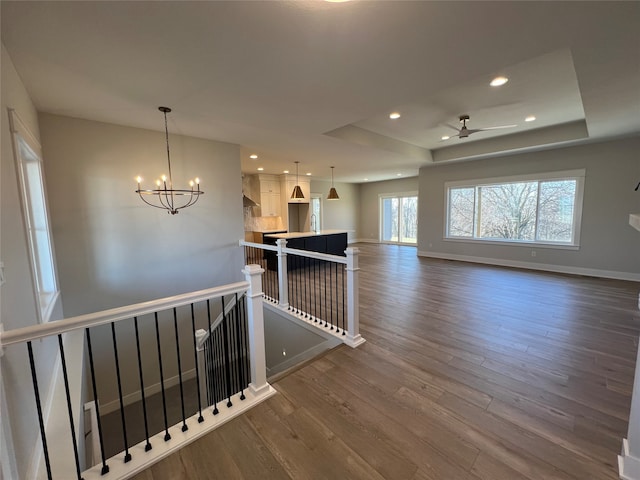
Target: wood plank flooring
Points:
(469, 372)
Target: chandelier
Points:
(164, 195)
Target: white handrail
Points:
(34, 332)
(295, 251)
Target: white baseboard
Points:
(628, 466)
(133, 397)
(589, 272)
(365, 240)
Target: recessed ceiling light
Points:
(446, 137)
(253, 156)
(308, 174)
(530, 118)
(498, 81)
(398, 174)
(260, 169)
(366, 179)
(394, 115)
(285, 171)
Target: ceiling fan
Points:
(464, 132)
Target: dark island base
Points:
(332, 244)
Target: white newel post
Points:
(629, 461)
(282, 274)
(253, 275)
(353, 301)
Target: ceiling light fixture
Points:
(398, 174)
(333, 194)
(394, 115)
(530, 118)
(260, 169)
(253, 156)
(164, 196)
(446, 137)
(499, 81)
(308, 174)
(297, 191)
(285, 171)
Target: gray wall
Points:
(607, 242)
(342, 214)
(113, 250)
(17, 295)
(369, 229)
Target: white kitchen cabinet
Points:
(270, 204)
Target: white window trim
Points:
(381, 197)
(45, 300)
(578, 175)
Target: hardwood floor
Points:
(468, 372)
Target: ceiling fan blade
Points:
(451, 126)
(496, 128)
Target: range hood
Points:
(247, 202)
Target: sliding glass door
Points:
(399, 219)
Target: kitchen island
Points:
(332, 242)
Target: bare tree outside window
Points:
(527, 211)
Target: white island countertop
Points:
(319, 233)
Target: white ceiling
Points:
(315, 81)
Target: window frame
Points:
(46, 293)
(399, 196)
(578, 175)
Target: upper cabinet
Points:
(288, 183)
(269, 195)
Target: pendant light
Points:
(297, 191)
(333, 195)
(164, 195)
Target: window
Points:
(399, 218)
(316, 212)
(545, 209)
(31, 183)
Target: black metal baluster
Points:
(36, 391)
(315, 291)
(147, 447)
(299, 277)
(245, 341)
(195, 358)
(211, 367)
(105, 467)
(220, 361)
(239, 346)
(225, 332)
(175, 327)
(344, 288)
(331, 295)
(167, 436)
(127, 455)
(324, 287)
(306, 295)
(69, 407)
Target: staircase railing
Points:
(317, 288)
(131, 347)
